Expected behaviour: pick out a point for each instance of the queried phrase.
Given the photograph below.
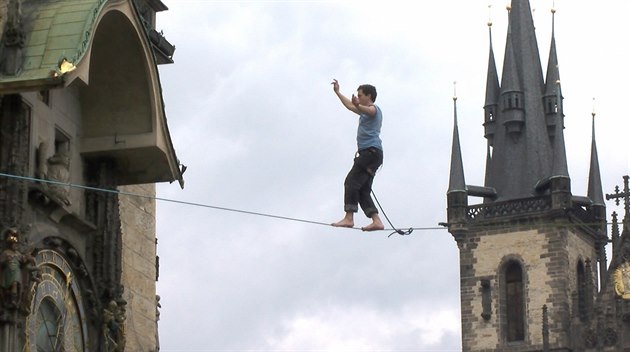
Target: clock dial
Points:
(56, 319)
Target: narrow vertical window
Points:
(514, 302)
(581, 291)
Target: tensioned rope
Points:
(287, 218)
(119, 192)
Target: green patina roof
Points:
(54, 29)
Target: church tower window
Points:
(581, 291)
(514, 302)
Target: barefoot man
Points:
(358, 183)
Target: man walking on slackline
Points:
(369, 157)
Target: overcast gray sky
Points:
(252, 114)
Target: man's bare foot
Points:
(374, 226)
(343, 223)
(347, 221)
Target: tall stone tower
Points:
(82, 126)
(530, 250)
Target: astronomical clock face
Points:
(56, 319)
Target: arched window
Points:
(514, 302)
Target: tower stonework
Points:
(549, 255)
(139, 265)
(531, 252)
(83, 140)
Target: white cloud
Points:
(360, 328)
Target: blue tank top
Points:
(368, 133)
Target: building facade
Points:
(534, 275)
(83, 140)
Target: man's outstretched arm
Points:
(345, 100)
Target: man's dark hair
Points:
(368, 89)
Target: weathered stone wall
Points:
(3, 15)
(549, 259)
(139, 267)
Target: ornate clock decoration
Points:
(57, 319)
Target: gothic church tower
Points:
(529, 252)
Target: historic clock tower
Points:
(82, 126)
(530, 250)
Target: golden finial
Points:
(454, 90)
(553, 7)
(593, 113)
(508, 7)
(489, 15)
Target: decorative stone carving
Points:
(622, 280)
(114, 327)
(13, 38)
(610, 337)
(59, 171)
(589, 337)
(17, 271)
(157, 319)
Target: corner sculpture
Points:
(18, 271)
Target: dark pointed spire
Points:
(456, 180)
(491, 106)
(595, 189)
(553, 74)
(526, 51)
(492, 95)
(559, 166)
(457, 194)
(492, 80)
(510, 80)
(552, 99)
(521, 150)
